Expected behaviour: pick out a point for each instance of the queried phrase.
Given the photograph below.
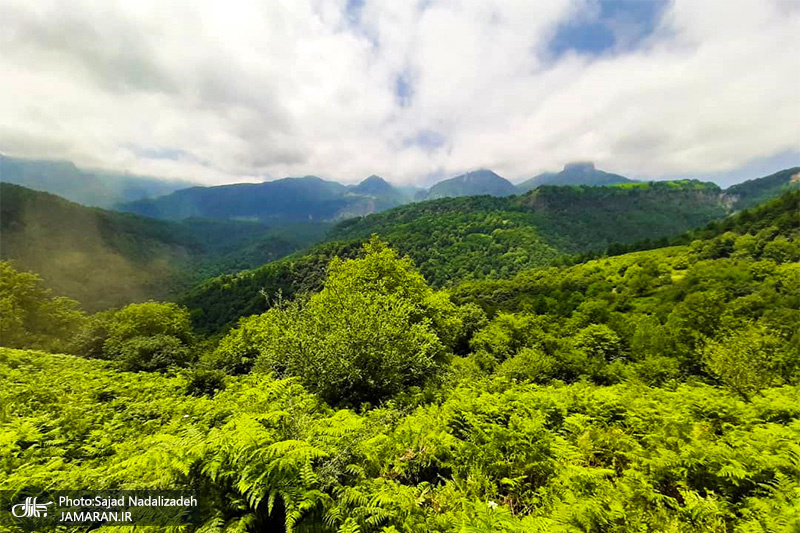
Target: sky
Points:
(221, 92)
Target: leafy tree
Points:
(30, 316)
(146, 336)
(599, 341)
(374, 329)
(507, 334)
(150, 353)
(745, 360)
(530, 364)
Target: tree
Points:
(145, 336)
(599, 342)
(30, 316)
(374, 329)
(744, 360)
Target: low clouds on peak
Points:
(220, 92)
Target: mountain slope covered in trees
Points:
(281, 201)
(104, 258)
(475, 183)
(755, 191)
(455, 239)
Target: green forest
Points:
(406, 376)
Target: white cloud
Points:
(242, 89)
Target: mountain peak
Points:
(476, 182)
(575, 173)
(480, 174)
(579, 166)
(373, 185)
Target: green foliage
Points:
(655, 315)
(474, 238)
(107, 259)
(156, 352)
(599, 342)
(149, 319)
(654, 391)
(264, 454)
(530, 364)
(30, 316)
(756, 191)
(147, 336)
(748, 359)
(374, 329)
(218, 303)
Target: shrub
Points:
(530, 364)
(158, 352)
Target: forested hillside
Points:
(106, 259)
(451, 240)
(570, 219)
(755, 191)
(651, 391)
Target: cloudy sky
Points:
(412, 90)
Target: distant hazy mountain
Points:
(375, 186)
(573, 174)
(280, 201)
(87, 187)
(475, 183)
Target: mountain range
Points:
(307, 199)
(452, 240)
(105, 258)
(97, 188)
(311, 198)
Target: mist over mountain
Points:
(579, 173)
(96, 188)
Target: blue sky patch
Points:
(427, 139)
(608, 25)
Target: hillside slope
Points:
(755, 191)
(457, 239)
(104, 258)
(475, 183)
